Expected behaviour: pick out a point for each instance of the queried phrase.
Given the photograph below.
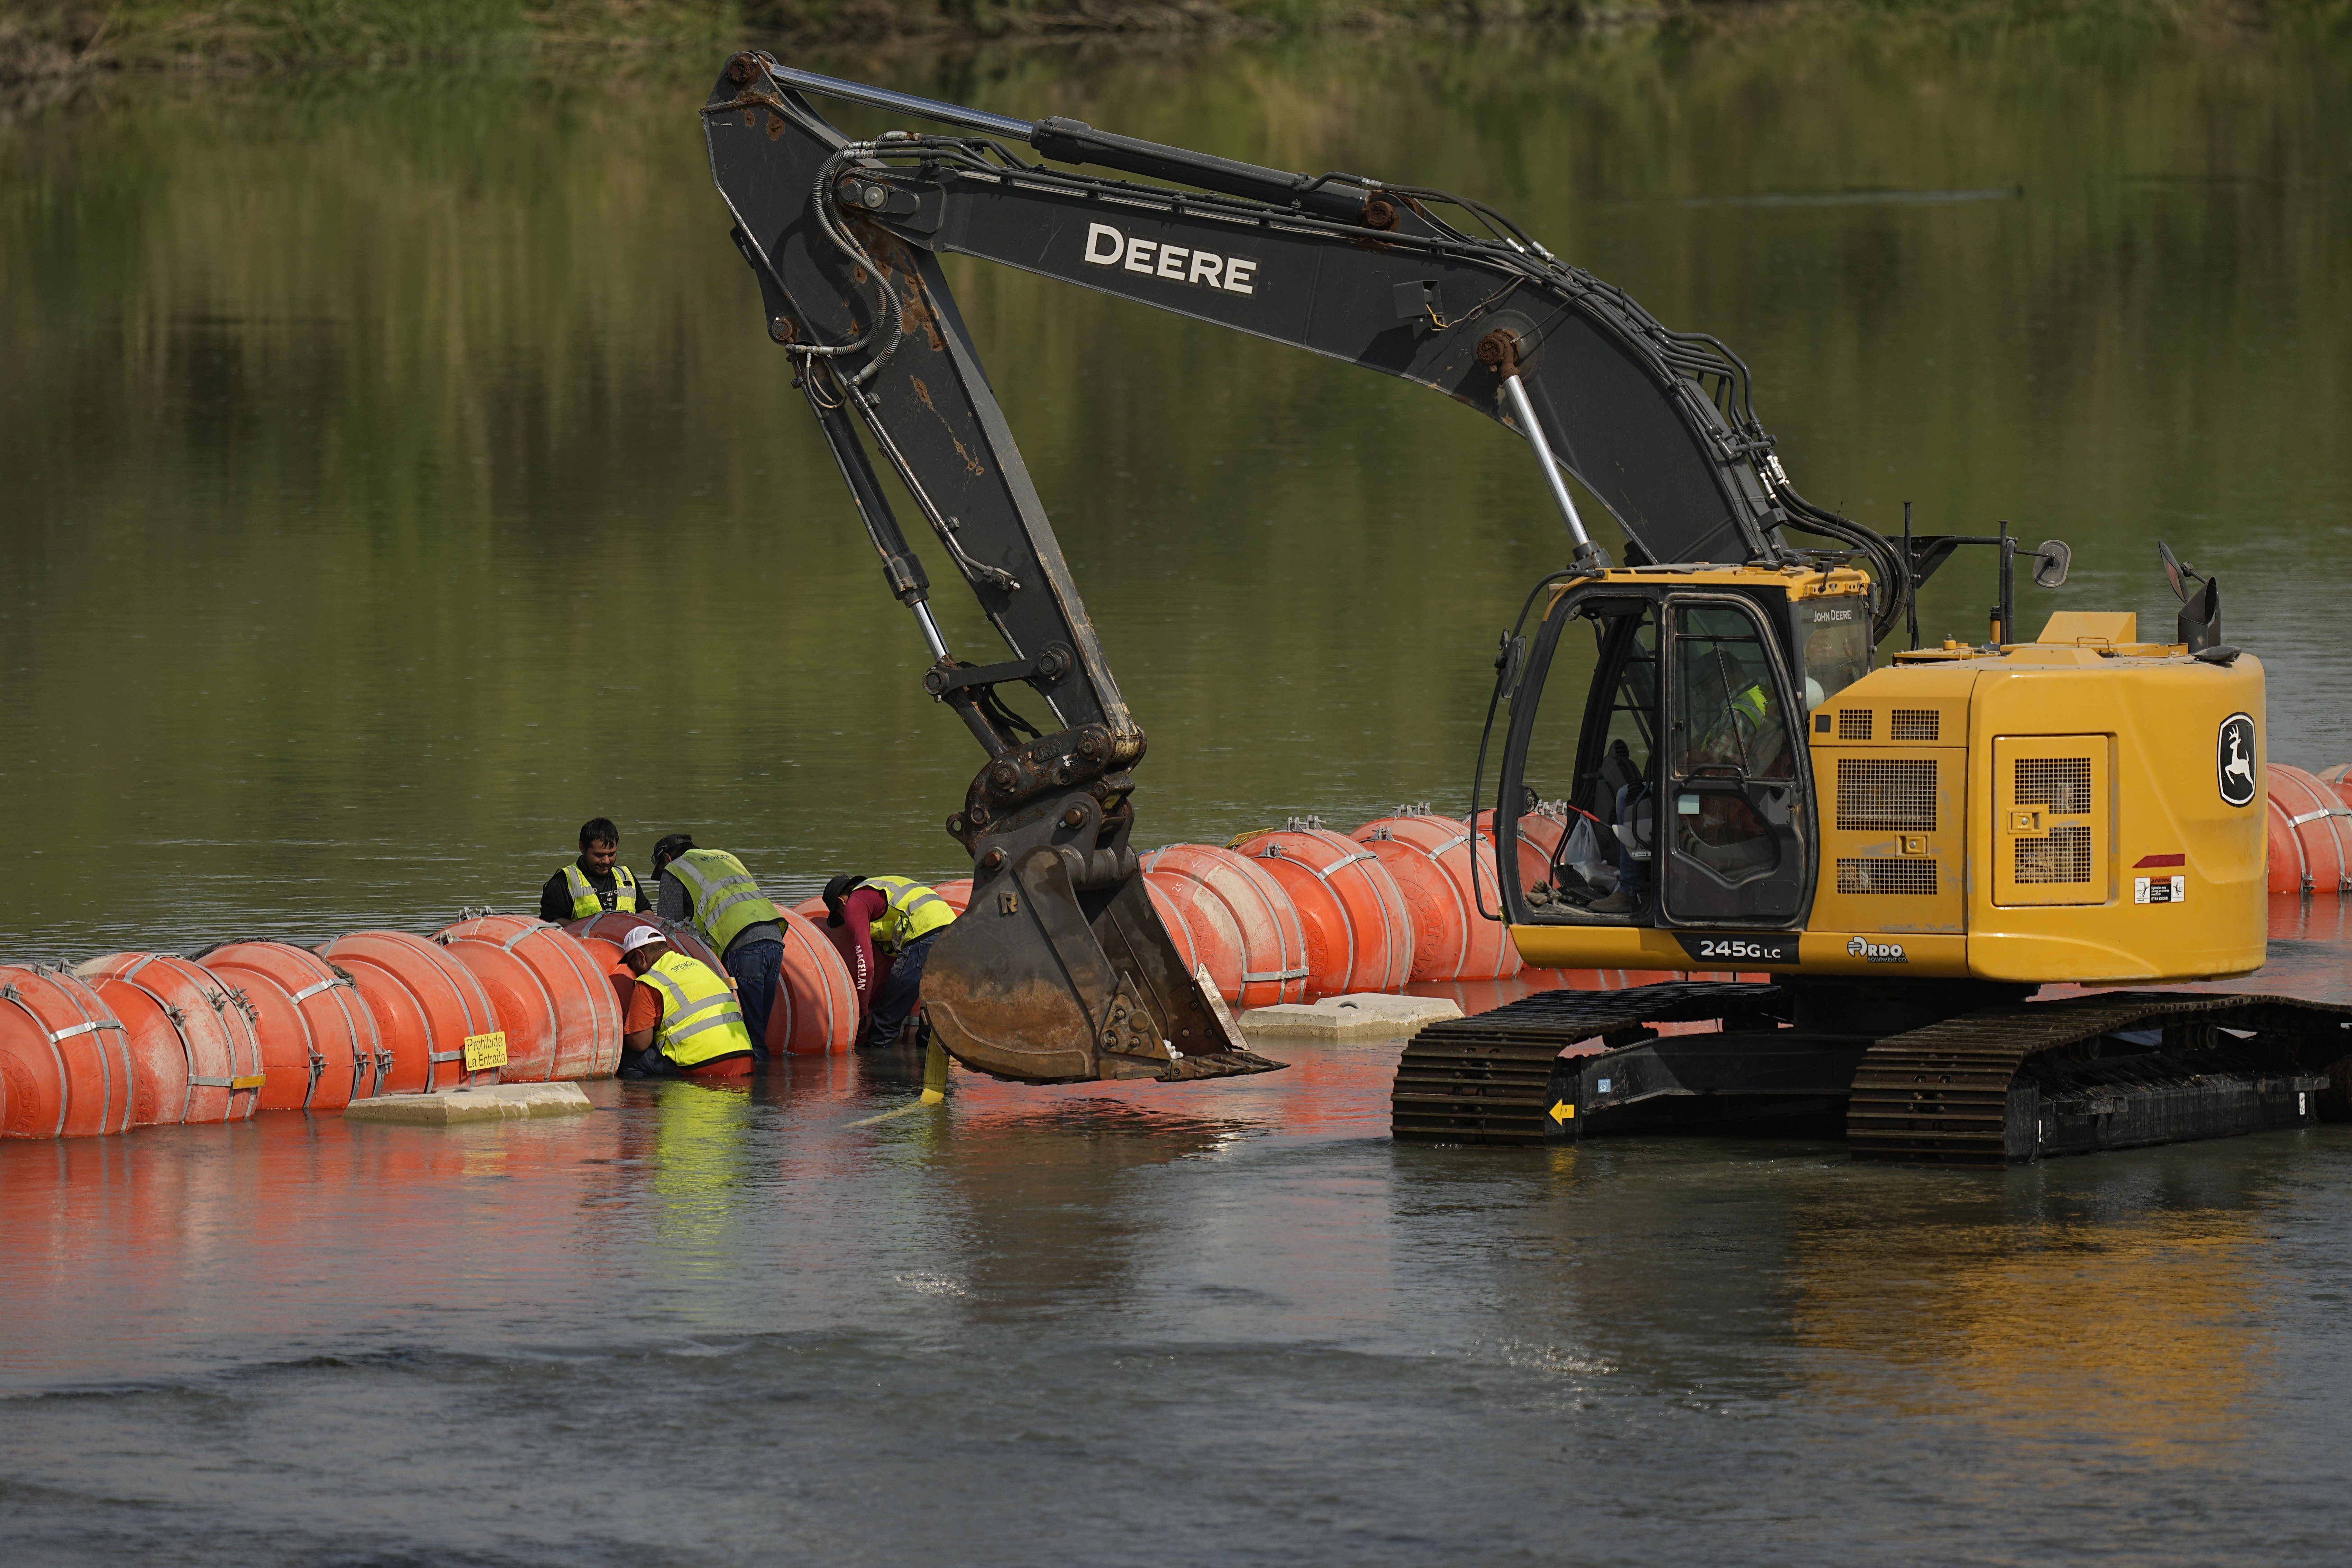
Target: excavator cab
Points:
(1670, 714)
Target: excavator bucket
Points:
(1053, 975)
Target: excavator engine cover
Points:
(1059, 970)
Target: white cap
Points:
(643, 936)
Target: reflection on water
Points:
(2125, 1310)
(1234, 1323)
(703, 1161)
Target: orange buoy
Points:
(1431, 857)
(159, 1061)
(553, 997)
(614, 925)
(66, 1066)
(1359, 933)
(319, 1048)
(425, 1005)
(815, 1012)
(2339, 779)
(603, 935)
(187, 1035)
(2310, 848)
(958, 894)
(1272, 944)
(811, 909)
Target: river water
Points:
(396, 475)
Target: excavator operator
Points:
(884, 927)
(1725, 673)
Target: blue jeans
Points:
(758, 968)
(899, 995)
(1633, 876)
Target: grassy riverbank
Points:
(53, 39)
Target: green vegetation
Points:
(52, 38)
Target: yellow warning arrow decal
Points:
(1563, 1112)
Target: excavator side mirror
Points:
(2200, 618)
(2050, 569)
(1510, 662)
(2175, 573)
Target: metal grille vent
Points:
(2063, 856)
(1883, 794)
(1854, 723)
(2060, 783)
(1914, 723)
(1912, 878)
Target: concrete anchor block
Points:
(1364, 1016)
(455, 1106)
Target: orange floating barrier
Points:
(2310, 846)
(554, 998)
(2339, 779)
(425, 1005)
(319, 1048)
(614, 925)
(1272, 944)
(1431, 858)
(66, 1066)
(603, 935)
(198, 1058)
(815, 1012)
(1358, 932)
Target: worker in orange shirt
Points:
(682, 1019)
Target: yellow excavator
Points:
(1909, 854)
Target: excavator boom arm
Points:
(1061, 970)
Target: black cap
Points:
(670, 848)
(835, 890)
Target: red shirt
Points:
(855, 938)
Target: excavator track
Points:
(1485, 1080)
(2008, 1085)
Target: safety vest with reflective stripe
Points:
(586, 901)
(726, 899)
(699, 1017)
(1755, 703)
(915, 913)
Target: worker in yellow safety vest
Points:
(709, 890)
(593, 884)
(884, 927)
(1746, 735)
(682, 1018)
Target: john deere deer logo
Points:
(2238, 759)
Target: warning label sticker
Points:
(2159, 889)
